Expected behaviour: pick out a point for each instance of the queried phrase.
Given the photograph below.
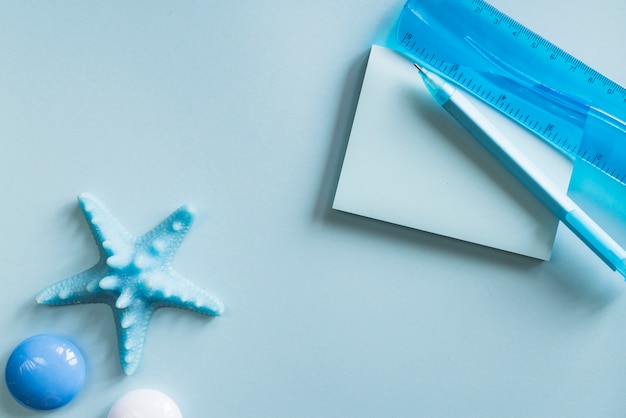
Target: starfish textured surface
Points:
(134, 277)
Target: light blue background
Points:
(243, 109)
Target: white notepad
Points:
(409, 163)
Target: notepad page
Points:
(409, 163)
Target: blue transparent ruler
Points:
(553, 94)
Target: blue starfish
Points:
(133, 277)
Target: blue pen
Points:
(533, 178)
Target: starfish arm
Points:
(170, 289)
(132, 328)
(81, 288)
(133, 277)
(112, 238)
(164, 239)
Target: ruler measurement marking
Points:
(573, 70)
(556, 52)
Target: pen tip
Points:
(418, 67)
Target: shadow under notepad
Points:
(339, 140)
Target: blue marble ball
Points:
(45, 372)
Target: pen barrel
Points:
(516, 162)
(596, 239)
(536, 181)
